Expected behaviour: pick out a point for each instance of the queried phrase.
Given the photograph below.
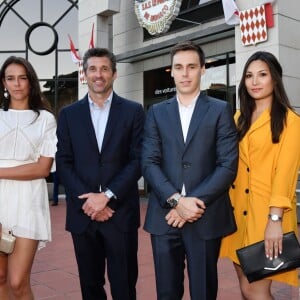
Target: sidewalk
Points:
(55, 276)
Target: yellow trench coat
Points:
(267, 176)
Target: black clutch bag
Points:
(256, 265)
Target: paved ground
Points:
(55, 277)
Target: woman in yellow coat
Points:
(263, 194)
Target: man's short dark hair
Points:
(188, 45)
(99, 52)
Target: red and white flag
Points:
(81, 73)
(231, 12)
(76, 58)
(92, 45)
(74, 55)
(269, 12)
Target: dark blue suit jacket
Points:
(206, 163)
(82, 168)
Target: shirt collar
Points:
(191, 104)
(106, 102)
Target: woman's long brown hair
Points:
(280, 103)
(36, 99)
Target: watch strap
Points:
(109, 194)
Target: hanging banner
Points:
(231, 12)
(156, 15)
(253, 25)
(77, 59)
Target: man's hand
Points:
(103, 215)
(95, 202)
(173, 219)
(190, 208)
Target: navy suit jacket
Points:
(206, 164)
(82, 168)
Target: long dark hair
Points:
(36, 99)
(280, 103)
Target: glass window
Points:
(218, 81)
(219, 78)
(192, 13)
(46, 24)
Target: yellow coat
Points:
(267, 176)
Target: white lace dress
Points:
(24, 204)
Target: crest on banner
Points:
(156, 15)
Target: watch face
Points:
(173, 202)
(274, 217)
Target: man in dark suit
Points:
(189, 159)
(99, 141)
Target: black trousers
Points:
(170, 251)
(104, 244)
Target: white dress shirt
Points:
(185, 113)
(99, 117)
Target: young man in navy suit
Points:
(189, 159)
(98, 162)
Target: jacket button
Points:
(245, 213)
(186, 165)
(247, 191)
(233, 186)
(248, 170)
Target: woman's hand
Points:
(273, 239)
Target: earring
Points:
(5, 93)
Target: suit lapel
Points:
(174, 120)
(114, 115)
(200, 110)
(261, 121)
(85, 116)
(244, 144)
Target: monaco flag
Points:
(231, 12)
(77, 59)
(74, 55)
(269, 12)
(91, 45)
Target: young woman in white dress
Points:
(27, 150)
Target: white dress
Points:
(24, 204)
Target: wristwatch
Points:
(173, 201)
(274, 217)
(109, 194)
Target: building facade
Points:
(143, 57)
(144, 60)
